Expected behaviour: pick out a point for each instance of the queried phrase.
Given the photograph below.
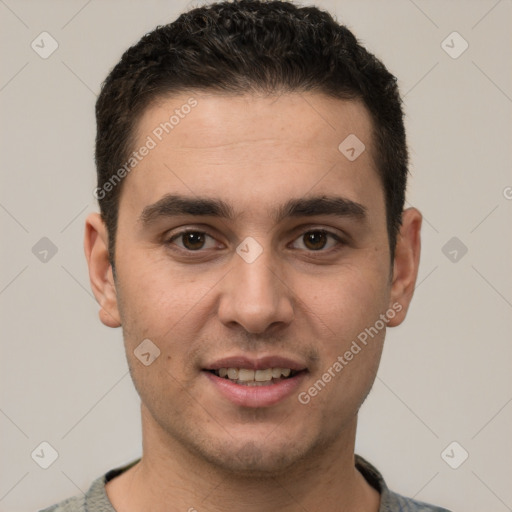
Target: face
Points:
(248, 244)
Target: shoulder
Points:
(94, 500)
(74, 504)
(398, 503)
(391, 501)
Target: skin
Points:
(254, 153)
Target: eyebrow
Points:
(175, 205)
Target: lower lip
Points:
(256, 396)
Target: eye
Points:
(193, 240)
(316, 240)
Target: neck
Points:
(170, 475)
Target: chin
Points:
(255, 459)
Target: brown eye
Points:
(315, 240)
(193, 240)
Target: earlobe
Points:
(100, 269)
(405, 265)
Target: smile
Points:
(249, 377)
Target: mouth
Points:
(260, 382)
(250, 377)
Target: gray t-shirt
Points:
(96, 499)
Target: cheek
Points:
(169, 308)
(349, 308)
(157, 300)
(349, 300)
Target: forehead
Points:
(216, 121)
(271, 147)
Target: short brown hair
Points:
(249, 46)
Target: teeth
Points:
(276, 373)
(247, 375)
(263, 375)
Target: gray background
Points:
(445, 374)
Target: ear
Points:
(100, 270)
(405, 265)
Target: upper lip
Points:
(256, 363)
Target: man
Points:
(253, 246)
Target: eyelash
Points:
(339, 241)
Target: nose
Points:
(255, 296)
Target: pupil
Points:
(315, 240)
(193, 241)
